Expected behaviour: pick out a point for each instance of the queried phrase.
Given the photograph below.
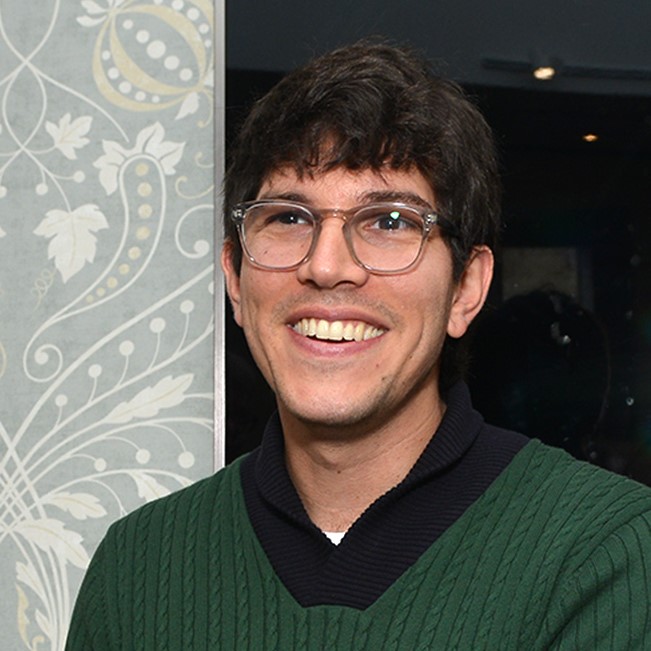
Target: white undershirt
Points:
(335, 537)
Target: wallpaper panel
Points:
(107, 176)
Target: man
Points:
(380, 512)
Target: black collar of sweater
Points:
(456, 467)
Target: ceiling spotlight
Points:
(590, 137)
(544, 73)
(543, 67)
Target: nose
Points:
(331, 263)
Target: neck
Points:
(340, 471)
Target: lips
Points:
(336, 330)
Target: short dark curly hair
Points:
(375, 105)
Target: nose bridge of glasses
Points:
(333, 213)
(327, 246)
(327, 214)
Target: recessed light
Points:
(590, 137)
(544, 73)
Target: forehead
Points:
(342, 187)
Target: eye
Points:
(392, 219)
(279, 218)
(286, 216)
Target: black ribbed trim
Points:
(456, 467)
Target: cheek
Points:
(249, 319)
(256, 304)
(431, 313)
(255, 337)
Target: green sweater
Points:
(555, 555)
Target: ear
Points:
(471, 291)
(232, 277)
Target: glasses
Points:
(384, 238)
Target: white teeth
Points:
(322, 330)
(337, 330)
(311, 330)
(358, 334)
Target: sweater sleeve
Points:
(605, 604)
(87, 627)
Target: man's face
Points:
(391, 374)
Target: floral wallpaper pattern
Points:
(107, 174)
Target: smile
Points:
(337, 330)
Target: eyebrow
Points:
(397, 196)
(285, 196)
(373, 196)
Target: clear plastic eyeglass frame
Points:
(426, 219)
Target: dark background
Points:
(563, 350)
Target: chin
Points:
(328, 414)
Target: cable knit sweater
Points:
(555, 554)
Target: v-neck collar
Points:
(461, 460)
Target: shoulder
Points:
(541, 463)
(580, 503)
(565, 507)
(161, 551)
(182, 524)
(571, 481)
(196, 505)
(591, 546)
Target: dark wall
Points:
(602, 44)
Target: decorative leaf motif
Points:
(189, 106)
(87, 21)
(149, 141)
(23, 622)
(79, 505)
(110, 163)
(148, 488)
(50, 535)
(73, 243)
(68, 135)
(21, 615)
(44, 623)
(92, 7)
(25, 573)
(169, 392)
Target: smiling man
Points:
(380, 511)
(348, 325)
